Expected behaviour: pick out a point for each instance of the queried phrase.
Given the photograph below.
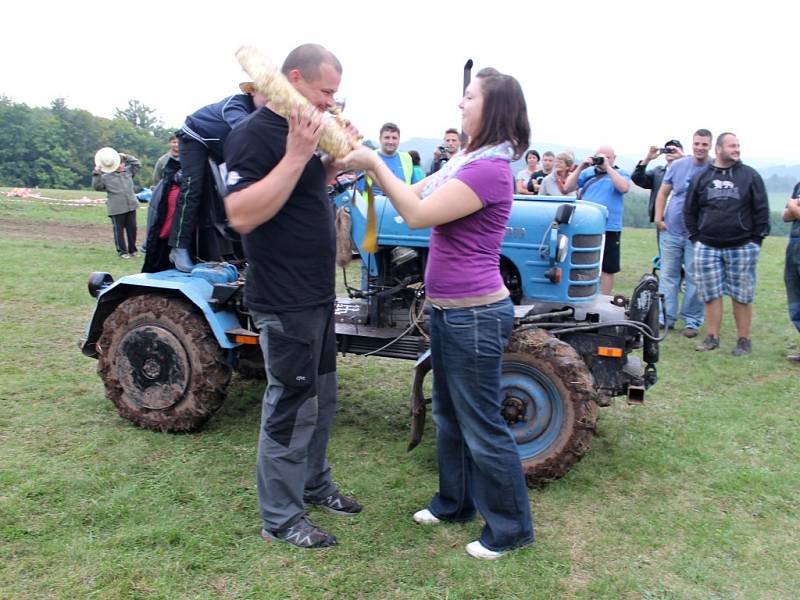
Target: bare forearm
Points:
(620, 183)
(571, 184)
(792, 210)
(661, 202)
(258, 203)
(404, 198)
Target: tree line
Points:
(54, 147)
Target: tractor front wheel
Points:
(549, 402)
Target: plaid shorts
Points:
(728, 271)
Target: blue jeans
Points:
(791, 277)
(479, 467)
(678, 251)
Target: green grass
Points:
(693, 495)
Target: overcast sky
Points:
(623, 73)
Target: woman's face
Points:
(533, 162)
(471, 106)
(561, 166)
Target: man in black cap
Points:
(650, 179)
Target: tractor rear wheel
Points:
(161, 365)
(549, 402)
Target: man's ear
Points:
(294, 76)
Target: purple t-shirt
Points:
(464, 256)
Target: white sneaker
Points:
(478, 550)
(426, 517)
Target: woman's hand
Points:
(361, 159)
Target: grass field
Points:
(693, 495)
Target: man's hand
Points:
(661, 226)
(677, 152)
(305, 129)
(587, 162)
(651, 154)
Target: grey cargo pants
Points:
(296, 413)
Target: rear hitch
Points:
(635, 394)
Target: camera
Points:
(597, 161)
(442, 150)
(668, 150)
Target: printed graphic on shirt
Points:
(723, 189)
(233, 178)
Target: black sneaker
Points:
(337, 504)
(303, 534)
(710, 343)
(743, 346)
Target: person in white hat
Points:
(113, 173)
(202, 137)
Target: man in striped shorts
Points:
(727, 217)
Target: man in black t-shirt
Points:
(278, 201)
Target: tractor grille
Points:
(586, 251)
(583, 274)
(581, 291)
(587, 241)
(586, 258)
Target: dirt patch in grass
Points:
(82, 233)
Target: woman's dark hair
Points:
(505, 114)
(415, 158)
(534, 152)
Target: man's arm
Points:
(97, 181)
(661, 204)
(620, 182)
(760, 209)
(571, 184)
(691, 207)
(641, 176)
(236, 109)
(259, 202)
(132, 164)
(792, 210)
(158, 170)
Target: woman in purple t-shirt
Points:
(467, 203)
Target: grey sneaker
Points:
(710, 343)
(337, 504)
(303, 534)
(690, 332)
(743, 346)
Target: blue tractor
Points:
(168, 342)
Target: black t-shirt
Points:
(290, 257)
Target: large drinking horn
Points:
(282, 97)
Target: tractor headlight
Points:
(563, 248)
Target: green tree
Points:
(139, 115)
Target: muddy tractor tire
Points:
(549, 401)
(161, 365)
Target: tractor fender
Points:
(196, 290)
